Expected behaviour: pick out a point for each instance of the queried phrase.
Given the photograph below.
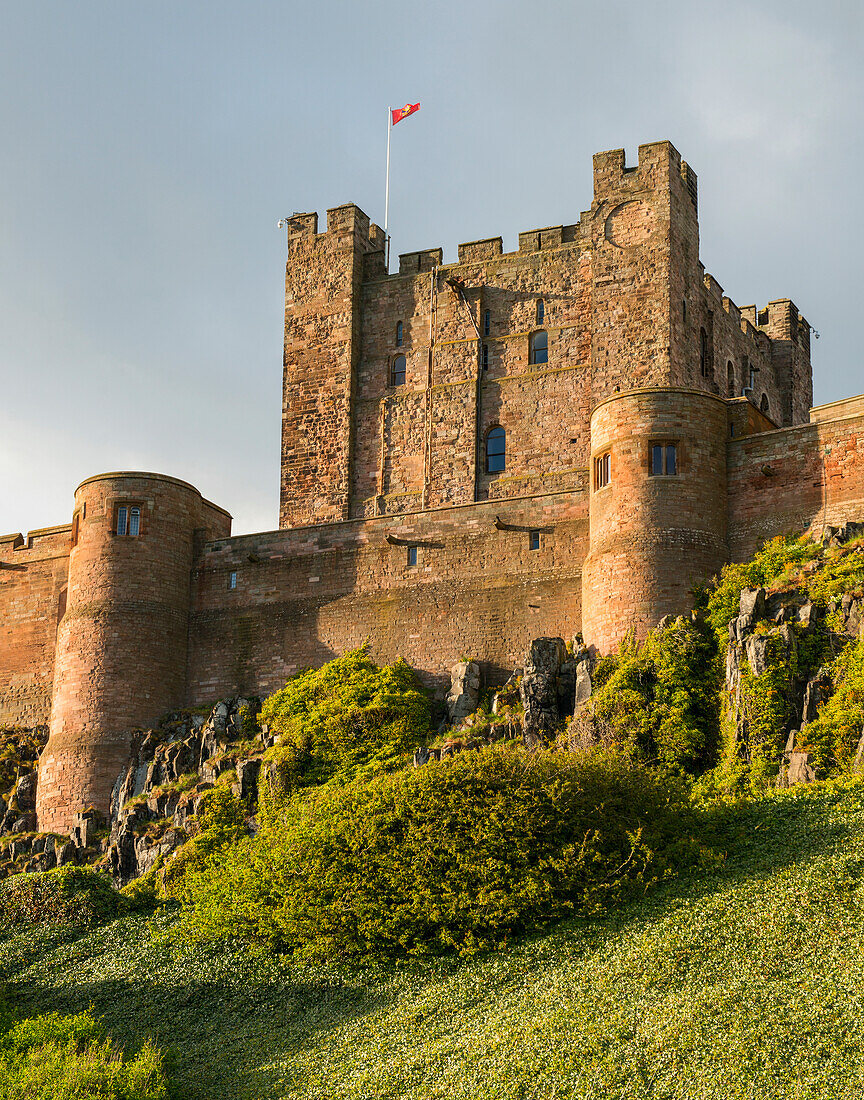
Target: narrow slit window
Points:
(397, 371)
(664, 459)
(539, 350)
(703, 352)
(487, 322)
(398, 334)
(496, 447)
(412, 555)
(232, 580)
(730, 379)
(602, 470)
(122, 520)
(485, 357)
(533, 540)
(541, 311)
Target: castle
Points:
(554, 440)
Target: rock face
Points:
(171, 769)
(464, 693)
(541, 688)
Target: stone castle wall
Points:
(33, 577)
(303, 596)
(626, 304)
(797, 478)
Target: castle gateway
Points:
(555, 440)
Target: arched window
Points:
(398, 334)
(541, 311)
(539, 348)
(763, 404)
(397, 371)
(730, 379)
(496, 447)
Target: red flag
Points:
(404, 112)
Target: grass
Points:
(745, 981)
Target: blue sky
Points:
(150, 148)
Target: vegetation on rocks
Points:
(660, 697)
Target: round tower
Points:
(657, 510)
(121, 645)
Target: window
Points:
(541, 311)
(703, 353)
(684, 309)
(487, 322)
(232, 580)
(539, 348)
(484, 356)
(664, 459)
(495, 451)
(412, 555)
(398, 334)
(533, 540)
(730, 379)
(763, 404)
(602, 470)
(128, 520)
(397, 371)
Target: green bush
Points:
(73, 896)
(661, 697)
(54, 1057)
(459, 855)
(349, 714)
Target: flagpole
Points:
(387, 198)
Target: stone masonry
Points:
(592, 347)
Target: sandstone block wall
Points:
(306, 595)
(652, 537)
(626, 304)
(33, 572)
(797, 478)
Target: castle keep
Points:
(554, 440)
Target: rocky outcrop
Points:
(464, 693)
(155, 800)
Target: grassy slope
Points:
(748, 981)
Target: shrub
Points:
(459, 855)
(348, 714)
(774, 562)
(661, 697)
(55, 1057)
(833, 736)
(74, 896)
